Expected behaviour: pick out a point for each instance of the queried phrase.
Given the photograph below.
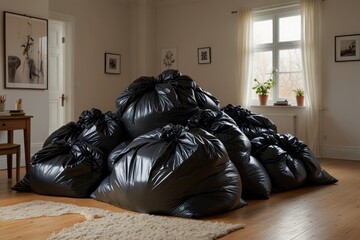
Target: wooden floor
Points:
(321, 212)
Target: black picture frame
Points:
(26, 52)
(112, 63)
(204, 55)
(347, 48)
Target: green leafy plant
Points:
(262, 88)
(299, 92)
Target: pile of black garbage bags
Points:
(170, 149)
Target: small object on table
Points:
(18, 104)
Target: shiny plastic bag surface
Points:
(173, 171)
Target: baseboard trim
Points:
(340, 152)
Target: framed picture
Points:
(204, 55)
(26, 51)
(347, 48)
(168, 58)
(112, 63)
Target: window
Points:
(277, 45)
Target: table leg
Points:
(10, 136)
(27, 137)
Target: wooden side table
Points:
(11, 123)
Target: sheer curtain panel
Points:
(311, 52)
(245, 49)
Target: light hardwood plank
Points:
(318, 212)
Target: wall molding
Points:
(340, 152)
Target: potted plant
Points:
(262, 88)
(299, 93)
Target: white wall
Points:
(100, 26)
(190, 24)
(35, 102)
(143, 36)
(341, 131)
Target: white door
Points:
(57, 95)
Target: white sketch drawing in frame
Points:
(25, 51)
(168, 59)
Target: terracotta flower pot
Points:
(263, 100)
(300, 101)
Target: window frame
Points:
(276, 46)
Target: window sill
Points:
(282, 107)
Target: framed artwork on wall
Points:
(204, 55)
(168, 58)
(112, 63)
(347, 48)
(26, 51)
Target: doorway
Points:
(60, 62)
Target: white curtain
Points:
(245, 55)
(311, 52)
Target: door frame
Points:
(69, 63)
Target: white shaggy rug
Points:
(103, 224)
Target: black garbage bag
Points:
(223, 127)
(67, 170)
(149, 103)
(251, 124)
(255, 180)
(111, 159)
(89, 117)
(296, 151)
(203, 98)
(173, 171)
(106, 132)
(286, 173)
(169, 74)
(23, 185)
(71, 131)
(68, 133)
(102, 130)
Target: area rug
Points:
(103, 224)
